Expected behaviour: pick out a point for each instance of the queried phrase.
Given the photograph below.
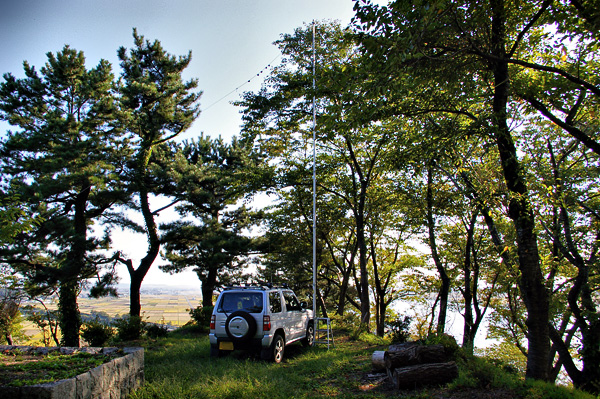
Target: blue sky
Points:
(231, 42)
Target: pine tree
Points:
(157, 105)
(211, 178)
(63, 163)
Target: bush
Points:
(154, 330)
(399, 329)
(450, 346)
(347, 323)
(129, 328)
(96, 333)
(201, 315)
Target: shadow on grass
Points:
(183, 368)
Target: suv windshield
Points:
(251, 302)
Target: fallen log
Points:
(409, 355)
(423, 374)
(378, 360)
(402, 346)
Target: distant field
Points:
(159, 305)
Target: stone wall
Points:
(112, 380)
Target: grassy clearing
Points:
(181, 367)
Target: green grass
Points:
(180, 367)
(16, 371)
(183, 368)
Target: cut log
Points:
(414, 354)
(378, 360)
(424, 374)
(402, 346)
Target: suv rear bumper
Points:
(264, 342)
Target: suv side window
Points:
(291, 302)
(275, 302)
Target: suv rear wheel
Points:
(277, 348)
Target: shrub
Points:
(96, 333)
(506, 356)
(450, 346)
(347, 323)
(129, 328)
(154, 330)
(399, 329)
(201, 315)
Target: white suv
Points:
(266, 318)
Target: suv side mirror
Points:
(303, 305)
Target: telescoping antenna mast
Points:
(327, 337)
(314, 128)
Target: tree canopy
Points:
(456, 156)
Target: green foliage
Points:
(415, 89)
(201, 315)
(47, 322)
(346, 323)
(506, 356)
(129, 328)
(12, 327)
(59, 165)
(399, 329)
(96, 333)
(156, 105)
(14, 218)
(448, 341)
(479, 373)
(482, 374)
(11, 295)
(542, 51)
(210, 178)
(155, 330)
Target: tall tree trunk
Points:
(137, 275)
(343, 290)
(346, 273)
(70, 319)
(365, 302)
(584, 309)
(208, 286)
(531, 284)
(445, 280)
(469, 327)
(69, 316)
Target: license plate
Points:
(226, 346)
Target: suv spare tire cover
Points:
(240, 326)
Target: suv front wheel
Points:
(310, 335)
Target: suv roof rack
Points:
(266, 286)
